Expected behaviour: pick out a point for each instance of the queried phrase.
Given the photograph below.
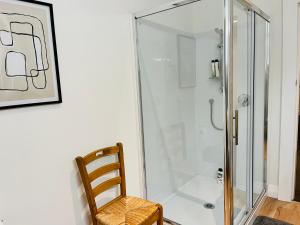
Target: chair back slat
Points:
(103, 170)
(106, 185)
(88, 178)
(101, 153)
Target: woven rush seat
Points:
(127, 211)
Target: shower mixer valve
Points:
(243, 100)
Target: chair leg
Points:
(160, 220)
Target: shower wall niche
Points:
(183, 88)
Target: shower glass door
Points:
(241, 110)
(250, 108)
(181, 86)
(260, 100)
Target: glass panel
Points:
(241, 98)
(259, 154)
(180, 59)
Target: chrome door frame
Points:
(173, 4)
(228, 103)
(251, 74)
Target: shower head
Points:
(219, 31)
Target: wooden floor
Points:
(284, 211)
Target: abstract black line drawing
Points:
(30, 74)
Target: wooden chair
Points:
(123, 210)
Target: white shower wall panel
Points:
(210, 142)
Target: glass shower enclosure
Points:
(203, 78)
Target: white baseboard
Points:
(272, 191)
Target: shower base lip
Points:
(168, 221)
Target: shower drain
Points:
(209, 206)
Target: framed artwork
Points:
(29, 73)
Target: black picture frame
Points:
(55, 68)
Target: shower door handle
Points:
(236, 129)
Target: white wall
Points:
(39, 180)
(290, 99)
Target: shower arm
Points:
(211, 102)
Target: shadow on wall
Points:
(80, 205)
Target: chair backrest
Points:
(88, 178)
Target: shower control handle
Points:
(236, 130)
